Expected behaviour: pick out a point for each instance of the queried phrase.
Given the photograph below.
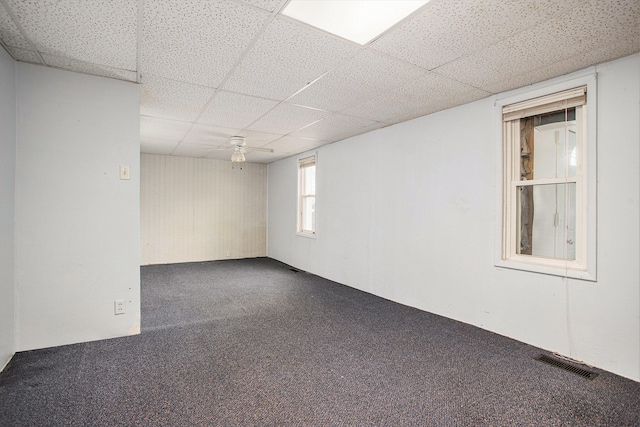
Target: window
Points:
(307, 196)
(547, 215)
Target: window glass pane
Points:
(309, 180)
(308, 213)
(547, 220)
(306, 195)
(548, 145)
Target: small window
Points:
(545, 192)
(307, 196)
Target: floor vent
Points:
(559, 363)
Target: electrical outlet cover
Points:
(119, 306)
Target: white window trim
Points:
(299, 162)
(535, 264)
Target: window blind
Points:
(545, 104)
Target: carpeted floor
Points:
(250, 342)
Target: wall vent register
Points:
(559, 363)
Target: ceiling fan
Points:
(240, 148)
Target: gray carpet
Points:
(250, 342)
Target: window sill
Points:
(306, 234)
(534, 267)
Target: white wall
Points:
(414, 223)
(77, 226)
(201, 209)
(7, 195)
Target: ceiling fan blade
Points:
(223, 148)
(266, 150)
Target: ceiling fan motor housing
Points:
(238, 141)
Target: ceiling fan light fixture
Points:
(237, 156)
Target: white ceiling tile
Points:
(292, 144)
(25, 55)
(373, 126)
(168, 130)
(258, 139)
(262, 157)
(348, 84)
(88, 68)
(286, 57)
(100, 31)
(172, 99)
(569, 65)
(416, 98)
(10, 33)
(378, 108)
(591, 26)
(213, 136)
(192, 150)
(269, 5)
(446, 30)
(335, 127)
(157, 146)
(484, 67)
(286, 118)
(440, 104)
(235, 110)
(196, 41)
(597, 24)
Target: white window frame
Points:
(584, 267)
(304, 162)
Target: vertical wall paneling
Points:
(201, 209)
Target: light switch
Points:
(124, 172)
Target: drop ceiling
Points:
(212, 69)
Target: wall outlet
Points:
(227, 253)
(119, 306)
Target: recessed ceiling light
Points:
(357, 20)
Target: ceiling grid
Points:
(211, 70)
